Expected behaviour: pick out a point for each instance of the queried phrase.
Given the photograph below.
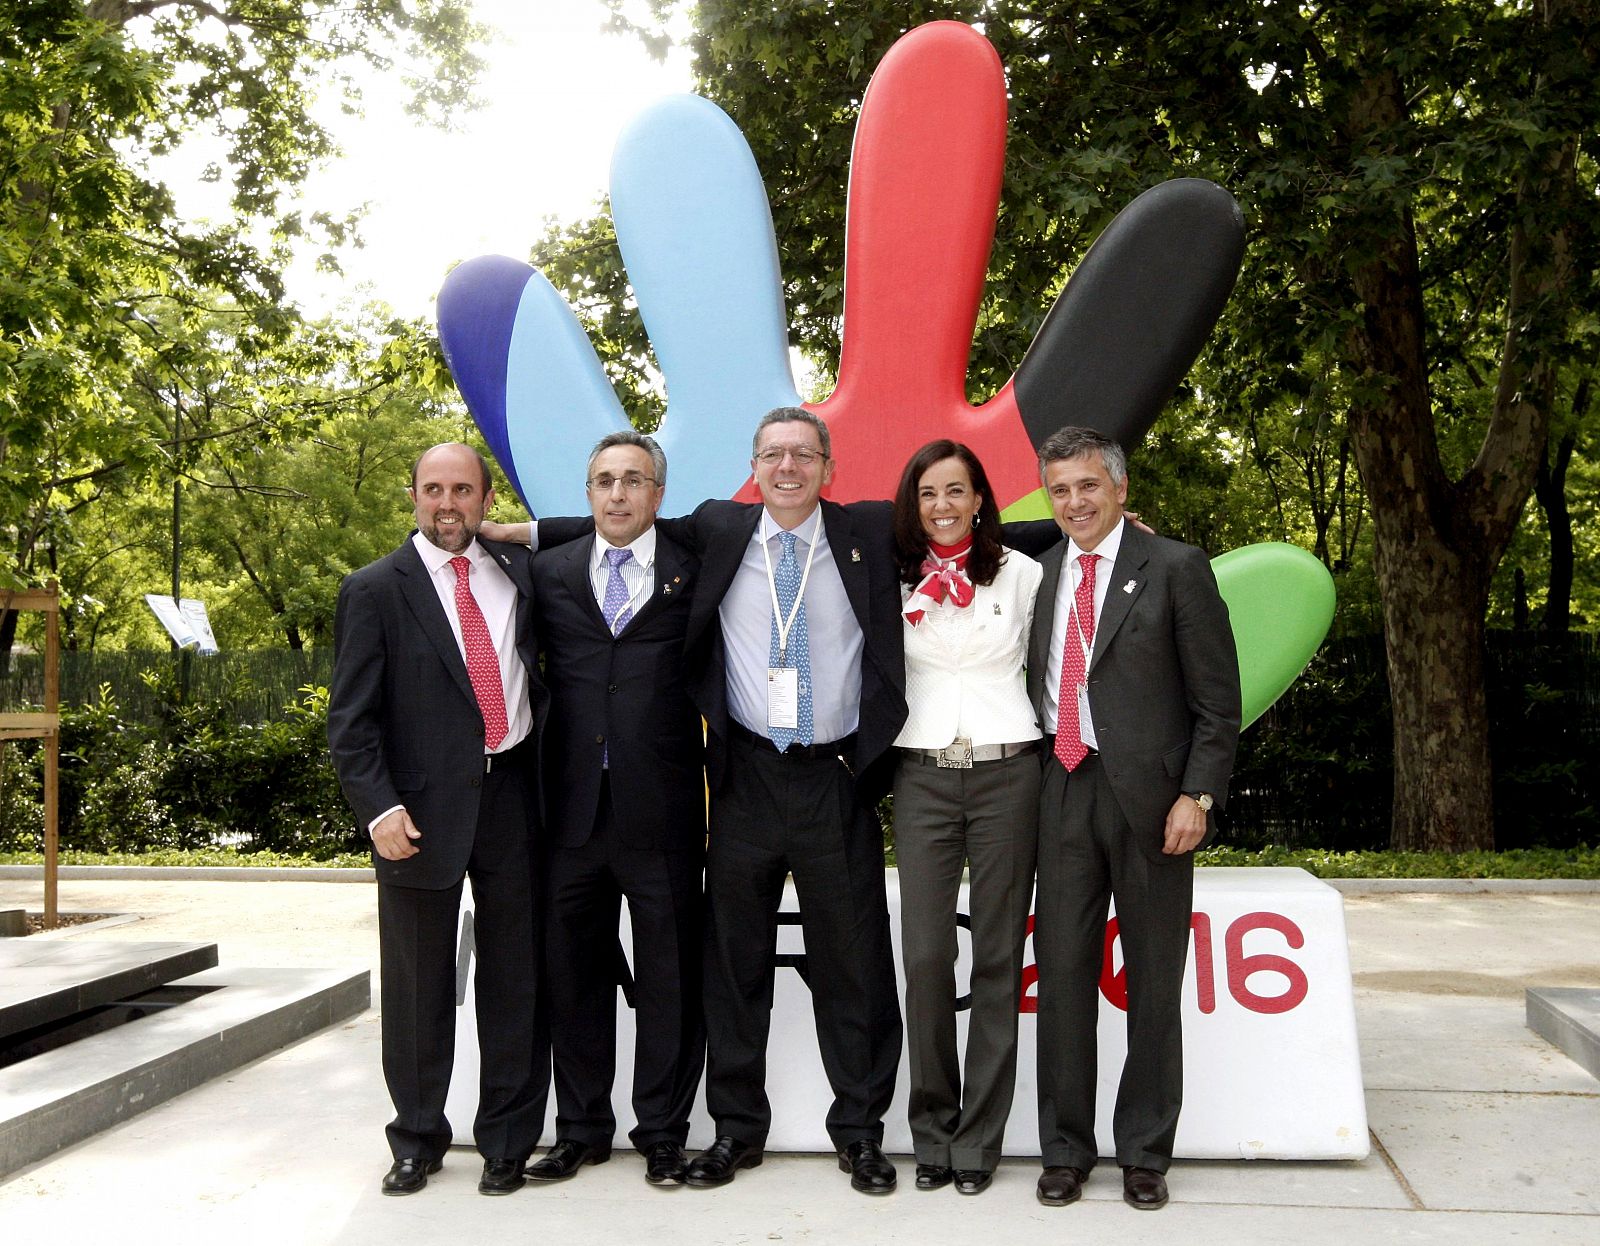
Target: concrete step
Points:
(1569, 1017)
(181, 1035)
(47, 980)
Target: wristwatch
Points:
(1203, 799)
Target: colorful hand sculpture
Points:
(695, 230)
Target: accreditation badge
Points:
(783, 697)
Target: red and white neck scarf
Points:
(944, 575)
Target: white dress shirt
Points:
(835, 641)
(1066, 587)
(638, 573)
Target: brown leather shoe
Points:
(1059, 1186)
(1144, 1188)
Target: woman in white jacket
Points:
(966, 793)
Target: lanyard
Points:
(784, 624)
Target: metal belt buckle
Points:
(957, 755)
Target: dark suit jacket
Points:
(861, 536)
(628, 696)
(1163, 677)
(403, 723)
(720, 531)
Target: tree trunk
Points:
(1551, 488)
(1434, 632)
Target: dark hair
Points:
(792, 415)
(911, 542)
(1073, 442)
(628, 437)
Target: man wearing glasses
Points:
(625, 803)
(796, 663)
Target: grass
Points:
(190, 858)
(1515, 863)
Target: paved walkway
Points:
(1482, 1131)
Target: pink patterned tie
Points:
(1070, 748)
(483, 666)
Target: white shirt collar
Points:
(806, 531)
(1107, 548)
(643, 547)
(436, 559)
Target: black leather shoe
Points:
(973, 1180)
(665, 1164)
(501, 1176)
(934, 1176)
(717, 1163)
(1060, 1186)
(1144, 1188)
(565, 1158)
(870, 1171)
(407, 1176)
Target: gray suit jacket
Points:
(1163, 677)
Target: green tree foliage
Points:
(102, 285)
(1420, 185)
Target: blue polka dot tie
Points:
(787, 581)
(611, 609)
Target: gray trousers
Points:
(1087, 854)
(986, 816)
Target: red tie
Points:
(1070, 748)
(483, 666)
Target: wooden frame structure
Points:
(45, 726)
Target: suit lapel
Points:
(720, 559)
(852, 568)
(416, 587)
(669, 579)
(1044, 618)
(1126, 583)
(575, 577)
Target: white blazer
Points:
(964, 666)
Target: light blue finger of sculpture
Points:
(695, 230)
(559, 401)
(1280, 600)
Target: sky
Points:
(555, 92)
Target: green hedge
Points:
(195, 779)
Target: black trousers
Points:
(584, 967)
(1088, 854)
(417, 940)
(778, 815)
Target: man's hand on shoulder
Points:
(1186, 826)
(510, 533)
(395, 837)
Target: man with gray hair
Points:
(625, 812)
(1133, 672)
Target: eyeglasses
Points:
(802, 457)
(630, 483)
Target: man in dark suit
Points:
(433, 722)
(1133, 670)
(626, 816)
(795, 651)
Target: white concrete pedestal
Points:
(1271, 1065)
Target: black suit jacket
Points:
(627, 697)
(403, 723)
(861, 536)
(1163, 677)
